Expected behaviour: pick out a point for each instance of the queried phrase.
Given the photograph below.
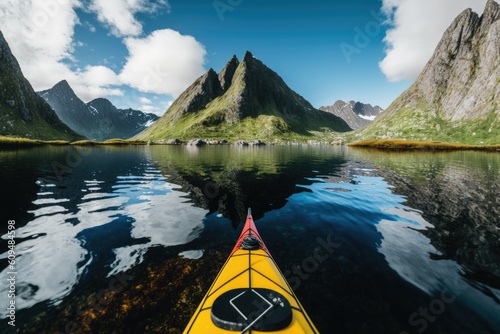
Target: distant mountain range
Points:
(245, 100)
(22, 112)
(457, 96)
(99, 119)
(356, 114)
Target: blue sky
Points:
(143, 54)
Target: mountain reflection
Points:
(458, 194)
(228, 180)
(406, 228)
(104, 213)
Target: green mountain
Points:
(23, 113)
(456, 98)
(246, 100)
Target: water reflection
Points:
(228, 179)
(454, 246)
(89, 219)
(408, 228)
(457, 193)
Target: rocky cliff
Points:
(355, 114)
(457, 95)
(98, 119)
(245, 100)
(22, 112)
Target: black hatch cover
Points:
(258, 309)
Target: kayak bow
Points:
(250, 294)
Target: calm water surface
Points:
(127, 240)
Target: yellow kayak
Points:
(250, 294)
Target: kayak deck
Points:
(250, 295)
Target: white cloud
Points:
(417, 27)
(145, 100)
(88, 93)
(41, 36)
(154, 105)
(164, 62)
(119, 15)
(149, 108)
(99, 76)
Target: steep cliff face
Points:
(198, 95)
(356, 114)
(70, 109)
(126, 123)
(245, 100)
(457, 95)
(98, 119)
(22, 112)
(227, 73)
(461, 78)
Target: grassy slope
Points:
(217, 121)
(37, 128)
(421, 145)
(426, 125)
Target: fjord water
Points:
(127, 240)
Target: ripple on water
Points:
(54, 253)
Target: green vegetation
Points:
(401, 144)
(210, 124)
(6, 141)
(110, 142)
(12, 125)
(257, 105)
(118, 141)
(419, 124)
(17, 142)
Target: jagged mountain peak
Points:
(354, 113)
(6, 56)
(97, 120)
(62, 84)
(101, 102)
(457, 95)
(22, 112)
(491, 14)
(202, 91)
(227, 73)
(456, 74)
(62, 88)
(244, 91)
(248, 56)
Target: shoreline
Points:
(385, 144)
(414, 145)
